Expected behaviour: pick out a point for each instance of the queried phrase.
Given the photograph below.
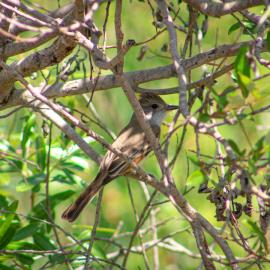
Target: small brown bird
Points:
(132, 142)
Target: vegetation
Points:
(69, 72)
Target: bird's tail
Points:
(73, 211)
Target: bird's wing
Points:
(133, 143)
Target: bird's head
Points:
(155, 108)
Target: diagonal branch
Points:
(217, 9)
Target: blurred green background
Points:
(22, 176)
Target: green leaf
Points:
(74, 149)
(60, 178)
(73, 165)
(234, 27)
(235, 147)
(58, 153)
(249, 27)
(79, 161)
(9, 217)
(268, 40)
(4, 267)
(258, 151)
(8, 236)
(12, 163)
(27, 132)
(221, 100)
(56, 259)
(25, 231)
(101, 231)
(255, 229)
(6, 147)
(61, 196)
(21, 245)
(30, 182)
(98, 251)
(194, 159)
(25, 259)
(241, 64)
(196, 178)
(40, 152)
(259, 144)
(7, 228)
(242, 71)
(3, 202)
(245, 83)
(55, 199)
(65, 176)
(43, 242)
(203, 117)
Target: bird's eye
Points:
(154, 106)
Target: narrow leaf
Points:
(43, 242)
(40, 152)
(241, 64)
(268, 40)
(26, 231)
(9, 217)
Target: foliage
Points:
(218, 155)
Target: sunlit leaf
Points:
(249, 27)
(194, 159)
(5, 146)
(15, 245)
(40, 152)
(27, 132)
(196, 178)
(245, 83)
(102, 230)
(241, 64)
(58, 153)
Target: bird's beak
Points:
(171, 107)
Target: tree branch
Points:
(80, 86)
(217, 9)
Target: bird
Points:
(132, 142)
